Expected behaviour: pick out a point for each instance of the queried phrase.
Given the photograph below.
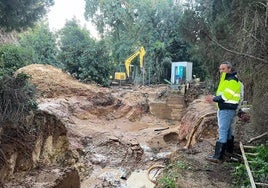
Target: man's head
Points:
(225, 67)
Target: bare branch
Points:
(266, 18)
(237, 53)
(258, 137)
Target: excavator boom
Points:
(128, 61)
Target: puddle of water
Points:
(101, 175)
(139, 179)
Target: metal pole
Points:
(143, 76)
(149, 75)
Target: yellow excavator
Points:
(125, 75)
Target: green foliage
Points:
(128, 25)
(74, 41)
(172, 172)
(95, 65)
(84, 58)
(167, 182)
(18, 15)
(12, 57)
(240, 175)
(42, 44)
(17, 98)
(258, 165)
(235, 31)
(182, 165)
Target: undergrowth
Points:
(171, 174)
(258, 164)
(17, 98)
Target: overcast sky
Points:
(65, 10)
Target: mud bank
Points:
(98, 137)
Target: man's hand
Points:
(209, 98)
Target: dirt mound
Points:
(52, 82)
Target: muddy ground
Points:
(110, 137)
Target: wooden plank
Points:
(250, 147)
(253, 185)
(262, 184)
(252, 154)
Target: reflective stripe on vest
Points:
(229, 90)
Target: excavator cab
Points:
(121, 73)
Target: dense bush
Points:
(17, 98)
(12, 58)
(84, 58)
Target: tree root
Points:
(195, 128)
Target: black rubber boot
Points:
(230, 145)
(219, 152)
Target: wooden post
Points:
(253, 185)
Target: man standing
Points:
(227, 99)
(230, 143)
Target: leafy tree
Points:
(95, 65)
(18, 15)
(17, 95)
(128, 25)
(234, 30)
(42, 43)
(12, 57)
(84, 58)
(74, 41)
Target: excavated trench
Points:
(87, 136)
(96, 143)
(87, 141)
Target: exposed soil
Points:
(98, 137)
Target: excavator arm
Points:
(128, 61)
(142, 54)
